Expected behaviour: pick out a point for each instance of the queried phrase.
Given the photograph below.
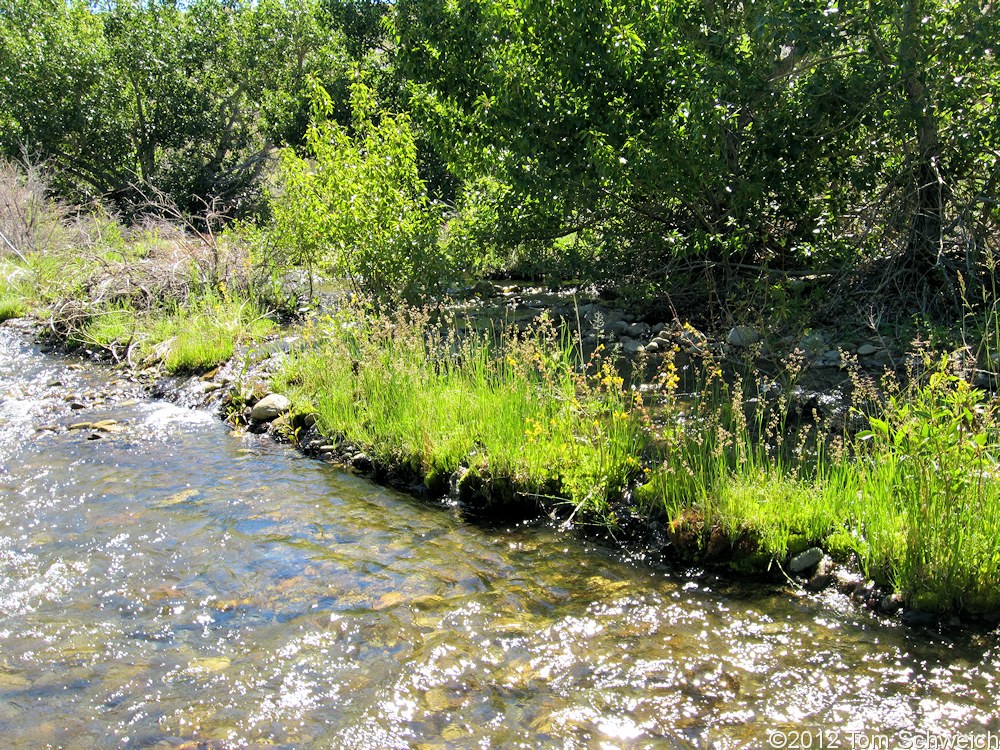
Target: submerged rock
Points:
(918, 618)
(891, 604)
(823, 576)
(270, 408)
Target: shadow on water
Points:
(169, 583)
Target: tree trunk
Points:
(930, 196)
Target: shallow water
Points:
(170, 583)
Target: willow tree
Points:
(936, 73)
(134, 99)
(774, 131)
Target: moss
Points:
(436, 482)
(983, 602)
(930, 601)
(798, 543)
(484, 491)
(685, 533)
(756, 562)
(469, 484)
(841, 546)
(645, 496)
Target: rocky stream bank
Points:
(240, 391)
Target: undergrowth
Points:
(194, 336)
(914, 498)
(151, 292)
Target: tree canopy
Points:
(129, 98)
(783, 134)
(760, 130)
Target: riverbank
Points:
(515, 426)
(721, 476)
(268, 600)
(700, 450)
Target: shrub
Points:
(358, 208)
(30, 222)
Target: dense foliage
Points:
(765, 130)
(158, 102)
(357, 208)
(620, 137)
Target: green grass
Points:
(926, 493)
(191, 332)
(114, 326)
(17, 285)
(915, 500)
(520, 412)
(203, 334)
(195, 336)
(11, 306)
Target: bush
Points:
(358, 208)
(30, 222)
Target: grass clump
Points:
(915, 498)
(191, 337)
(926, 493)
(520, 413)
(732, 457)
(205, 344)
(203, 334)
(109, 327)
(152, 291)
(12, 305)
(23, 285)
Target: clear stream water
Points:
(173, 585)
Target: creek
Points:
(166, 583)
